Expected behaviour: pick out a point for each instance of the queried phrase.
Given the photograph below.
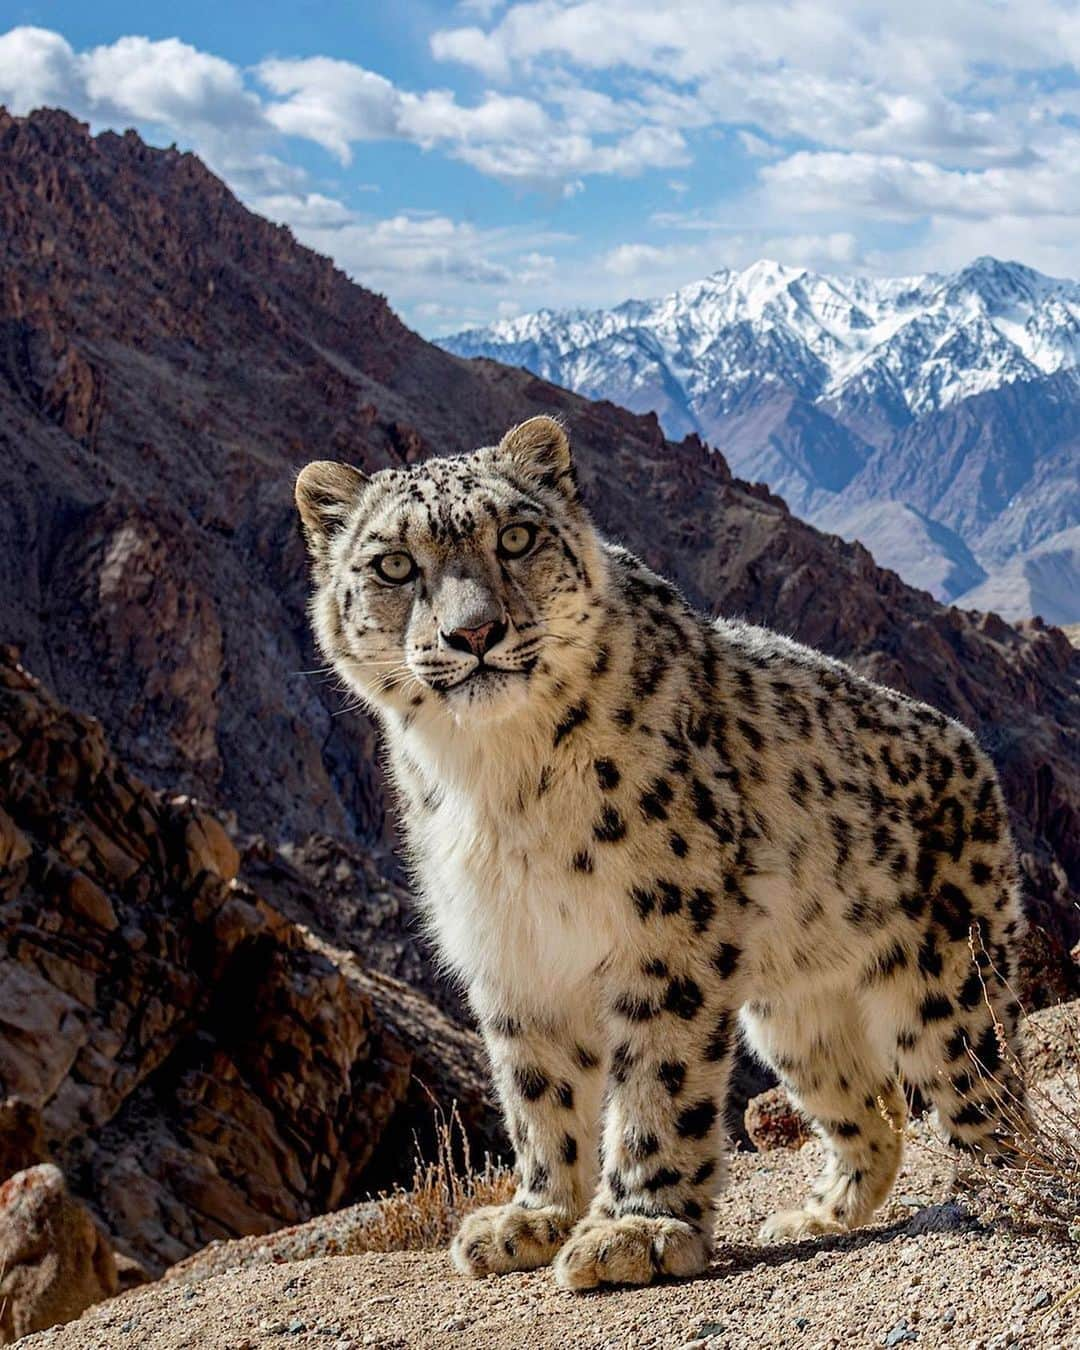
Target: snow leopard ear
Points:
(325, 495)
(540, 450)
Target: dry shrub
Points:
(426, 1216)
(1035, 1186)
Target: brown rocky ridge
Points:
(199, 1065)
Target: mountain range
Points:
(935, 418)
(168, 361)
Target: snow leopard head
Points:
(459, 586)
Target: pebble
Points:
(900, 1333)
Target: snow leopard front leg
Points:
(549, 1073)
(662, 1147)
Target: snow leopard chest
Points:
(513, 904)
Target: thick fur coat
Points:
(633, 829)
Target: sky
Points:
(480, 159)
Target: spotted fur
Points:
(633, 829)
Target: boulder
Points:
(54, 1260)
(773, 1121)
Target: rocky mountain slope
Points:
(198, 1065)
(168, 360)
(957, 395)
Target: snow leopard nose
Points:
(476, 640)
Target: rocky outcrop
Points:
(54, 1260)
(200, 1065)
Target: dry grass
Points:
(443, 1190)
(1036, 1185)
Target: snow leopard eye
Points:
(397, 568)
(516, 540)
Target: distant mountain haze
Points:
(934, 418)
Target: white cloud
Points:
(904, 189)
(337, 103)
(758, 146)
(167, 82)
(333, 103)
(171, 86)
(653, 269)
(505, 136)
(411, 249)
(310, 210)
(631, 260)
(920, 43)
(859, 74)
(568, 156)
(38, 69)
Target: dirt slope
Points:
(921, 1277)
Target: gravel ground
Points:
(923, 1276)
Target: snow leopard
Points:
(637, 833)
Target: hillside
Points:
(954, 395)
(168, 361)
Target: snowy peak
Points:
(926, 340)
(934, 417)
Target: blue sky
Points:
(477, 159)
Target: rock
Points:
(1052, 1040)
(208, 847)
(773, 1121)
(1047, 973)
(22, 1137)
(130, 1274)
(900, 1333)
(202, 1065)
(14, 846)
(949, 1217)
(54, 1260)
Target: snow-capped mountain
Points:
(955, 397)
